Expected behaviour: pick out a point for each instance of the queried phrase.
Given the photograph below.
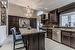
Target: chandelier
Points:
(29, 12)
(4, 3)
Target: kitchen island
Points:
(35, 38)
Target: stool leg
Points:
(14, 46)
(26, 44)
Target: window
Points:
(64, 21)
(72, 20)
(67, 20)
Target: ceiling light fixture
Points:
(28, 11)
(4, 3)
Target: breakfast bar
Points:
(35, 38)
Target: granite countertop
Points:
(25, 31)
(66, 29)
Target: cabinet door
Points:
(33, 42)
(13, 21)
(54, 16)
(41, 41)
(43, 16)
(51, 17)
(33, 23)
(73, 39)
(49, 33)
(66, 38)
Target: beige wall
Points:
(15, 10)
(18, 10)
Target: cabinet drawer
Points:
(49, 33)
(66, 33)
(73, 34)
(72, 42)
(66, 40)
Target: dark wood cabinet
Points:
(43, 18)
(33, 42)
(13, 21)
(73, 39)
(49, 33)
(53, 16)
(36, 41)
(68, 38)
(33, 22)
(50, 19)
(41, 41)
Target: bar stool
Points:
(17, 38)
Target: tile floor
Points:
(49, 45)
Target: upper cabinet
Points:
(43, 20)
(53, 16)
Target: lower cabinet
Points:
(49, 33)
(73, 39)
(68, 38)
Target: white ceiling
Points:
(42, 4)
